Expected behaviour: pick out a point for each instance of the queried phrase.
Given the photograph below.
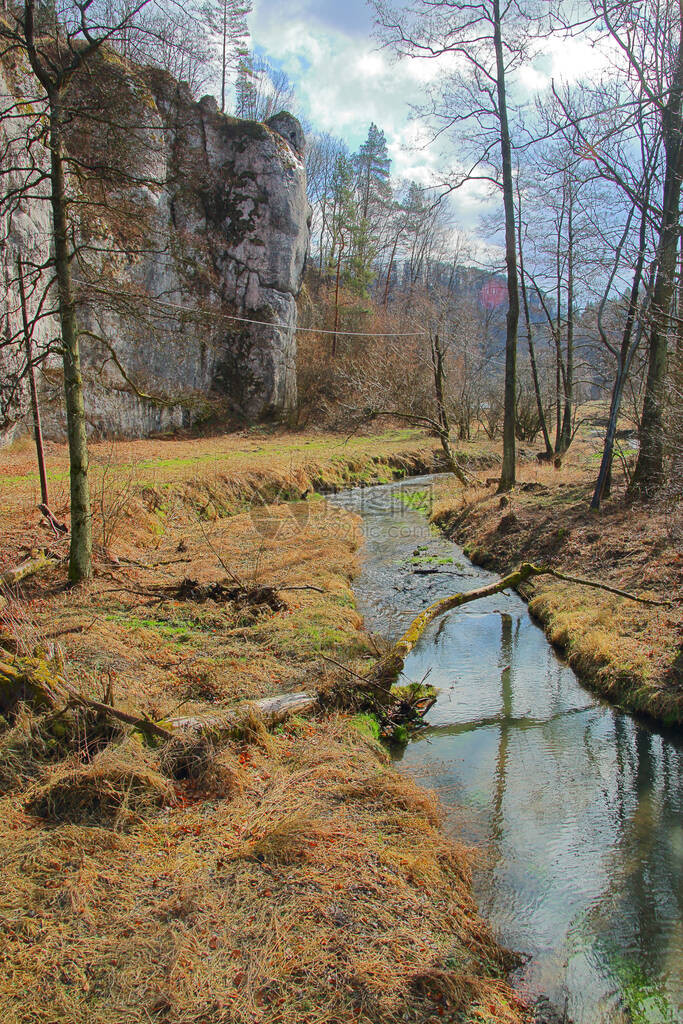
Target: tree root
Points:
(240, 595)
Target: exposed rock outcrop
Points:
(25, 233)
(212, 223)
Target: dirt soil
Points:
(270, 875)
(629, 652)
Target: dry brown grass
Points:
(216, 475)
(287, 877)
(119, 785)
(318, 889)
(161, 654)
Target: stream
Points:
(573, 806)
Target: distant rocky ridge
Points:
(217, 227)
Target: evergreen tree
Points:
(373, 167)
(246, 90)
(344, 211)
(227, 20)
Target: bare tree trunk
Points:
(80, 554)
(557, 337)
(625, 358)
(336, 296)
(568, 379)
(530, 341)
(323, 228)
(442, 411)
(224, 54)
(604, 481)
(391, 267)
(648, 476)
(679, 304)
(30, 369)
(507, 477)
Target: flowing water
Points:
(575, 808)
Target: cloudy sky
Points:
(344, 81)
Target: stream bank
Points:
(574, 807)
(214, 893)
(630, 653)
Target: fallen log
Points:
(272, 710)
(387, 670)
(384, 674)
(29, 567)
(582, 582)
(32, 681)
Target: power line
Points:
(245, 320)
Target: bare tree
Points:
(542, 420)
(628, 128)
(635, 121)
(651, 37)
(262, 89)
(171, 36)
(484, 44)
(322, 154)
(60, 48)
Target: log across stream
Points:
(575, 807)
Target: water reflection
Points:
(578, 806)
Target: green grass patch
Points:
(177, 629)
(419, 501)
(421, 556)
(366, 725)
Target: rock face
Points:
(25, 233)
(212, 235)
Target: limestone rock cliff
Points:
(212, 223)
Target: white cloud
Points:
(344, 80)
(343, 84)
(578, 58)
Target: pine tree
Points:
(227, 19)
(246, 90)
(373, 167)
(344, 213)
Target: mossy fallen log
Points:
(29, 567)
(29, 681)
(32, 681)
(387, 670)
(384, 674)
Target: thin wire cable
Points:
(243, 319)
